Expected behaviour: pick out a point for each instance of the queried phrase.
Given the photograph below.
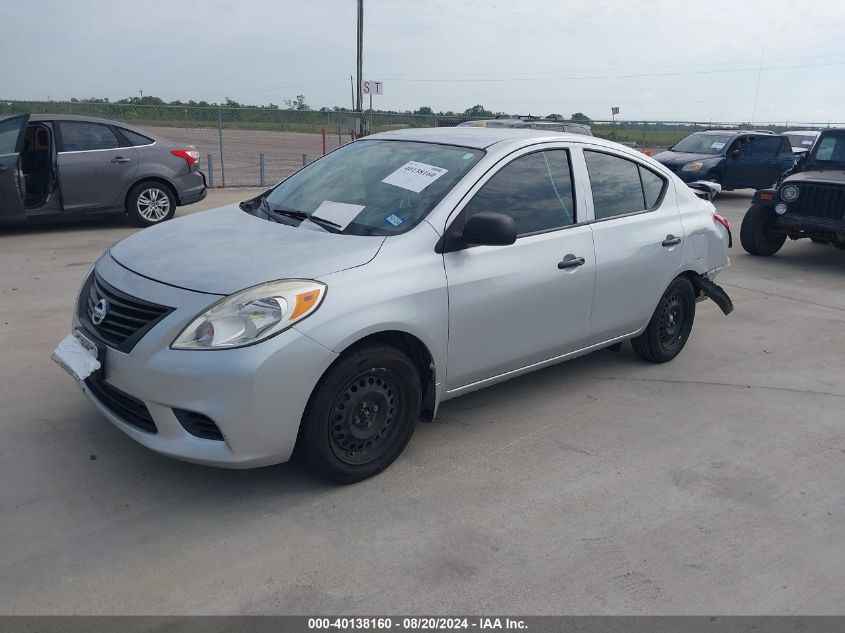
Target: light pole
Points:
(358, 104)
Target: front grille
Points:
(820, 201)
(128, 409)
(127, 318)
(198, 424)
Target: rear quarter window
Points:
(134, 138)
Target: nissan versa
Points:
(326, 316)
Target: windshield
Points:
(830, 148)
(802, 141)
(700, 143)
(373, 187)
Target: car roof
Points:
(804, 132)
(526, 121)
(484, 137)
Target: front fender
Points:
(765, 197)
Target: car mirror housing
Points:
(489, 229)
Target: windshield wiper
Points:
(302, 216)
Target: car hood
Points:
(225, 250)
(826, 176)
(682, 158)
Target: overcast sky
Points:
(655, 60)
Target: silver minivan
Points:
(55, 166)
(327, 315)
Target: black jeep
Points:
(808, 201)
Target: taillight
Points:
(190, 155)
(723, 221)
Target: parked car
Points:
(801, 140)
(62, 166)
(810, 202)
(736, 159)
(328, 314)
(534, 124)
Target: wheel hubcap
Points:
(153, 204)
(363, 416)
(672, 322)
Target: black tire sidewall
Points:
(313, 444)
(752, 233)
(657, 351)
(132, 202)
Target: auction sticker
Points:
(717, 145)
(414, 176)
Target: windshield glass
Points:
(803, 141)
(700, 143)
(373, 187)
(830, 148)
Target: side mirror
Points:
(489, 229)
(734, 153)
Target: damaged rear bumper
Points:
(714, 292)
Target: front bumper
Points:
(255, 395)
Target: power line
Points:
(633, 76)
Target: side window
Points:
(785, 146)
(765, 146)
(134, 138)
(10, 129)
(79, 137)
(652, 187)
(535, 190)
(616, 185)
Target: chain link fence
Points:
(258, 146)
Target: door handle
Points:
(671, 240)
(120, 159)
(570, 261)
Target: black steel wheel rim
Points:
(672, 318)
(365, 416)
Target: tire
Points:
(150, 202)
(816, 240)
(839, 245)
(755, 232)
(670, 326)
(361, 415)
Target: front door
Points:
(94, 170)
(513, 306)
(639, 241)
(11, 179)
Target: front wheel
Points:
(361, 415)
(150, 203)
(757, 233)
(670, 326)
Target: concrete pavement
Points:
(712, 484)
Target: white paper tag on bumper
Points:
(414, 176)
(75, 359)
(340, 213)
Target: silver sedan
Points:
(328, 315)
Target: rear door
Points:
(638, 239)
(94, 170)
(769, 160)
(11, 142)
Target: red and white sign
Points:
(370, 87)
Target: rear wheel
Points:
(670, 326)
(361, 415)
(839, 245)
(150, 202)
(757, 233)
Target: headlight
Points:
(692, 167)
(789, 193)
(252, 315)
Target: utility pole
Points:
(358, 104)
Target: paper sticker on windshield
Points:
(807, 142)
(414, 176)
(468, 155)
(394, 219)
(339, 213)
(717, 145)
